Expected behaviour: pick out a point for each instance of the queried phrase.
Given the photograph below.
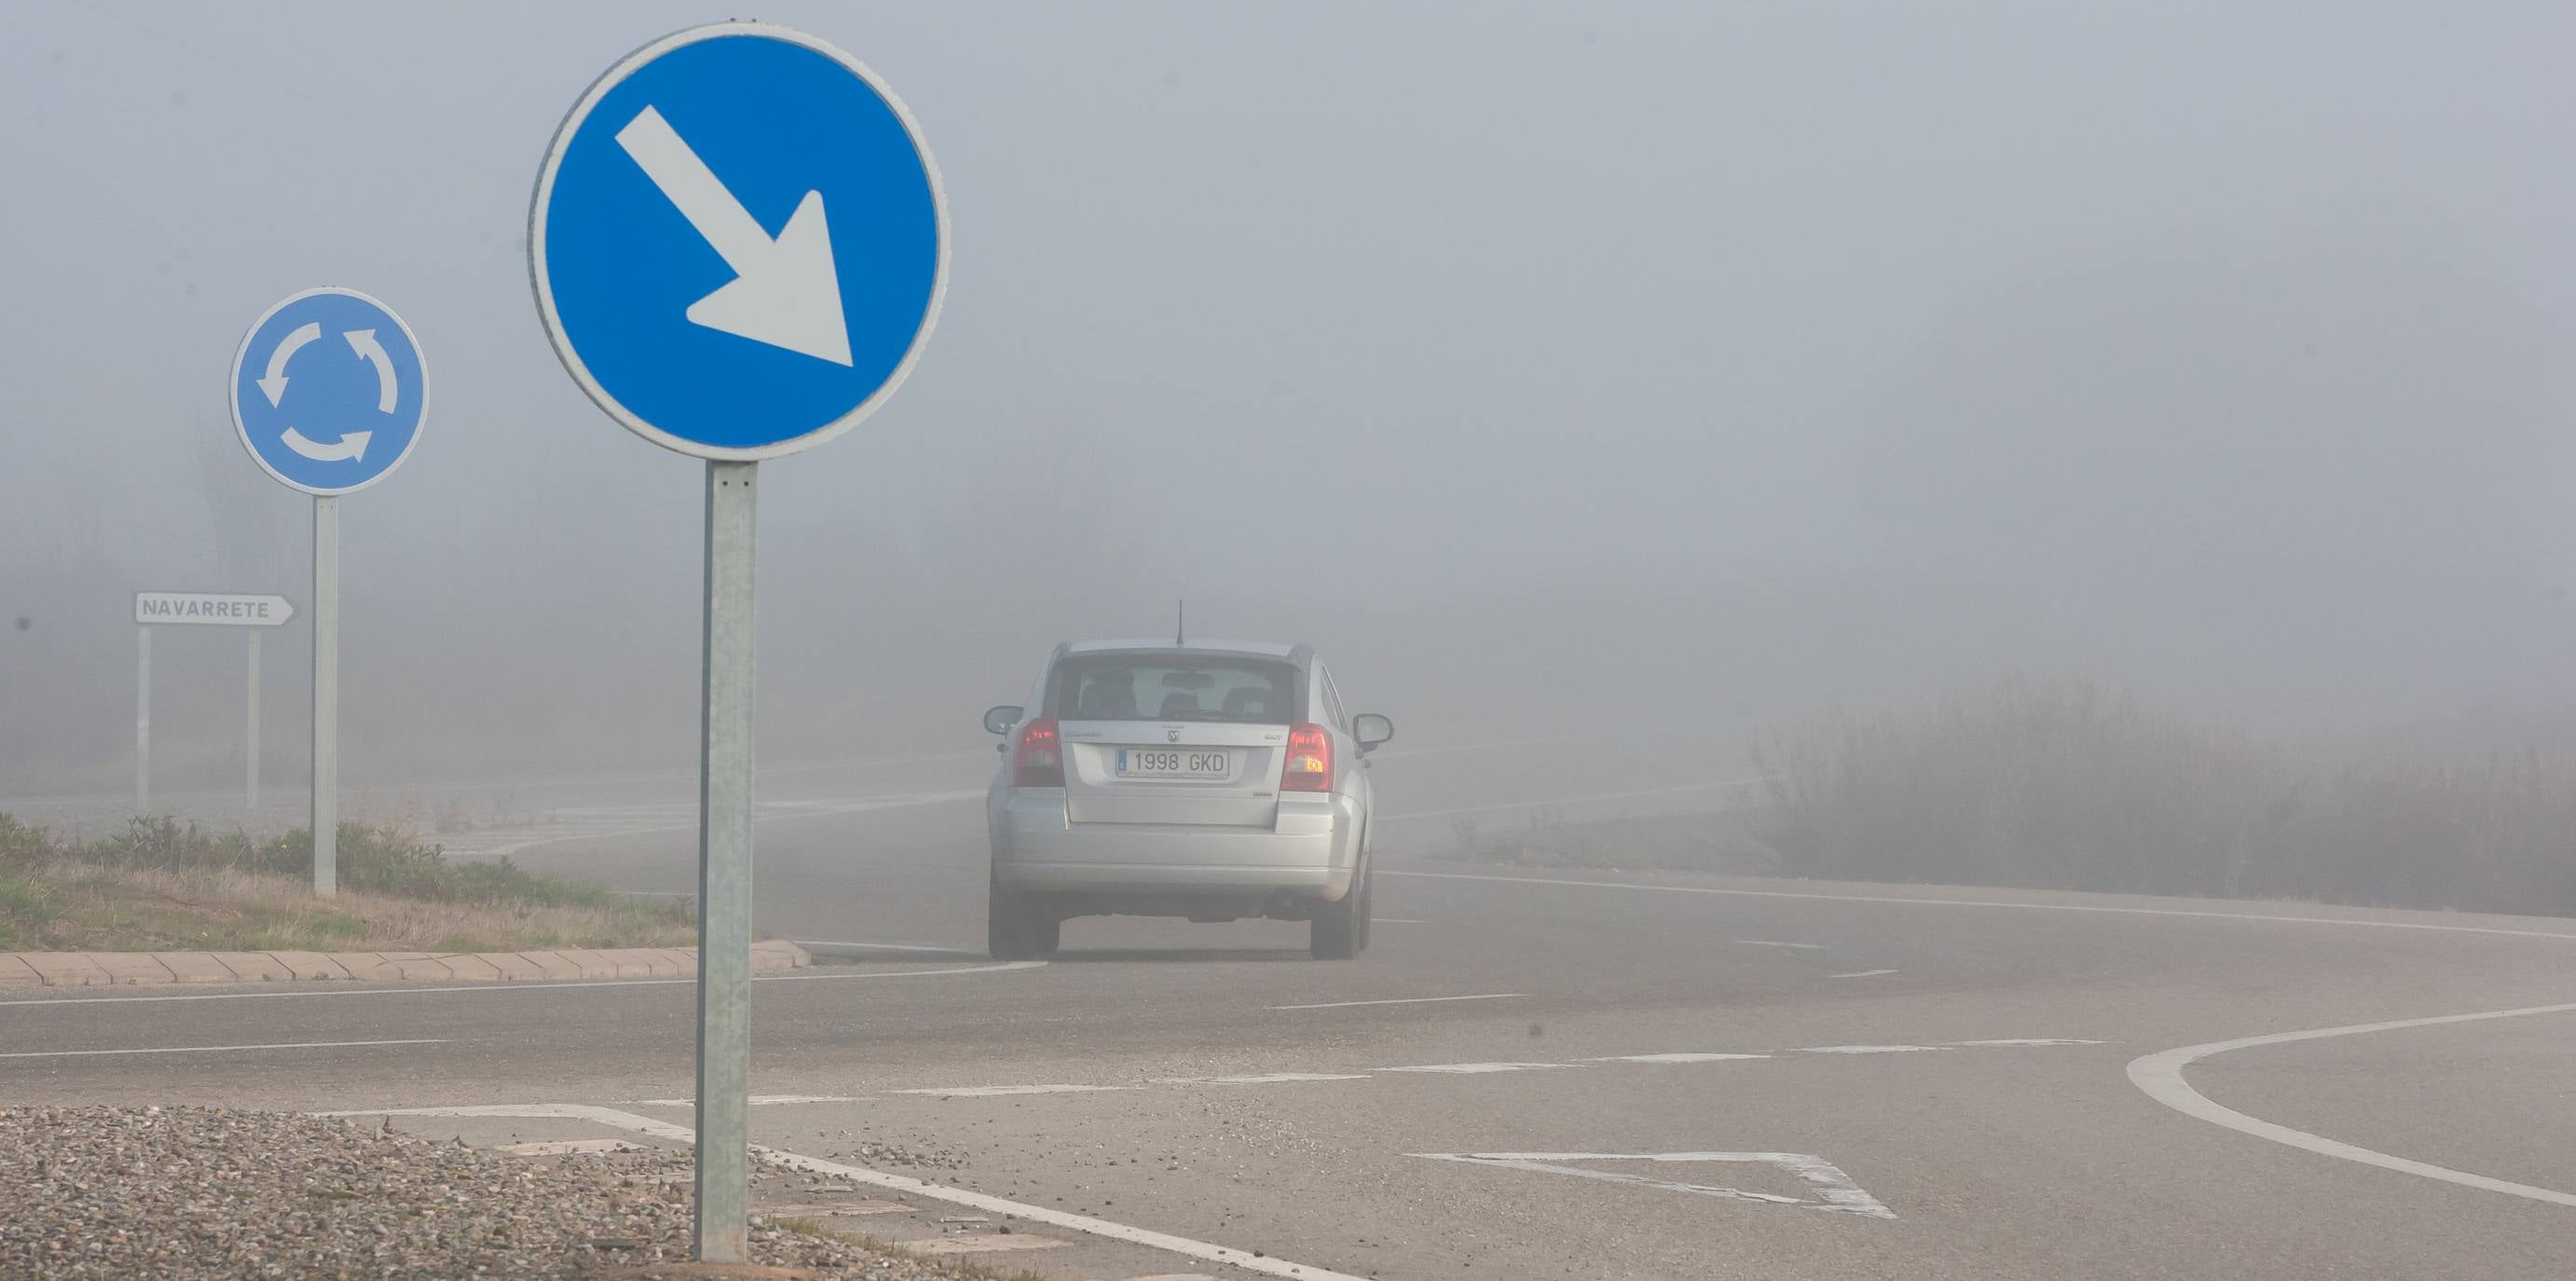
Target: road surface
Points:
(1531, 1074)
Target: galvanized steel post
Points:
(724, 870)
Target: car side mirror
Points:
(1371, 729)
(1000, 720)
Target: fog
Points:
(1544, 365)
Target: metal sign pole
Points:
(142, 721)
(724, 870)
(326, 695)
(250, 784)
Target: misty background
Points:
(1645, 364)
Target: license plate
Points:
(1170, 762)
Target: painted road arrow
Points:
(785, 291)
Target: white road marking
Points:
(2032, 1040)
(1264, 1263)
(887, 947)
(1266, 1078)
(302, 992)
(1808, 947)
(1674, 1058)
(212, 1049)
(996, 1091)
(1862, 1049)
(1837, 1193)
(1473, 1068)
(984, 1243)
(2160, 1075)
(757, 1100)
(569, 1147)
(1395, 920)
(1402, 1000)
(1969, 902)
(1863, 974)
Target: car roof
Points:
(1267, 649)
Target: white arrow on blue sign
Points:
(738, 241)
(328, 391)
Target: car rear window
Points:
(1173, 687)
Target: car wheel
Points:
(1017, 927)
(1341, 929)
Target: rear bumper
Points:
(1310, 852)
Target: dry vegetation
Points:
(2068, 786)
(164, 887)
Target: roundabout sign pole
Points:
(738, 245)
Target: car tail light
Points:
(1040, 762)
(1310, 761)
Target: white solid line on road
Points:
(1395, 920)
(887, 947)
(1809, 947)
(1970, 902)
(213, 1049)
(1402, 1000)
(996, 1091)
(2160, 1075)
(1473, 1068)
(1674, 1058)
(1862, 1049)
(1266, 1078)
(1863, 974)
(1839, 1194)
(1264, 1263)
(504, 986)
(2019, 1041)
(757, 1100)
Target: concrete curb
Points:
(135, 969)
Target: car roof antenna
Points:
(1181, 627)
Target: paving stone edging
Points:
(119, 969)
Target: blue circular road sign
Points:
(328, 391)
(738, 241)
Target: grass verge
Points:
(164, 886)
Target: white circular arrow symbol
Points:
(352, 445)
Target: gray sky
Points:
(1624, 359)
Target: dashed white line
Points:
(1863, 974)
(2160, 1075)
(1247, 1260)
(996, 1091)
(1475, 1068)
(1266, 1078)
(213, 1049)
(1691, 1057)
(1401, 1000)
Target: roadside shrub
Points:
(2065, 785)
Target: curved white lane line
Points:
(1975, 902)
(2160, 1075)
(504, 986)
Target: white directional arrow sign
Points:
(785, 292)
(351, 444)
(388, 391)
(220, 609)
(274, 385)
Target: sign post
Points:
(328, 424)
(679, 310)
(196, 609)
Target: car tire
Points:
(1017, 927)
(1340, 930)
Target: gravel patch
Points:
(194, 1194)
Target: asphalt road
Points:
(1588, 1074)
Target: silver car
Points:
(1213, 781)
